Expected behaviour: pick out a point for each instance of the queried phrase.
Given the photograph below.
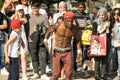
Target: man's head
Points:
(16, 24)
(60, 19)
(35, 8)
(68, 19)
(81, 7)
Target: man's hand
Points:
(53, 52)
(46, 43)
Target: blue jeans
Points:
(118, 53)
(2, 42)
(111, 62)
(13, 69)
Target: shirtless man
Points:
(62, 56)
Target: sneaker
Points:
(75, 74)
(48, 69)
(82, 70)
(4, 71)
(25, 78)
(86, 74)
(117, 78)
(35, 76)
(45, 77)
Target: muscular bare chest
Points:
(64, 32)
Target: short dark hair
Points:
(82, 3)
(60, 18)
(35, 4)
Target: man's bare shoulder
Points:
(56, 25)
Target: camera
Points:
(41, 28)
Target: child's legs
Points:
(23, 63)
(13, 69)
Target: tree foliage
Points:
(48, 3)
(1, 3)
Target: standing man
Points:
(62, 56)
(83, 20)
(3, 26)
(35, 21)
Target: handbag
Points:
(116, 43)
(98, 46)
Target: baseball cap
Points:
(19, 7)
(69, 14)
(16, 23)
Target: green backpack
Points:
(86, 35)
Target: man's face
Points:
(69, 22)
(81, 8)
(35, 10)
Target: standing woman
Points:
(115, 35)
(101, 27)
(19, 14)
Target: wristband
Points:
(45, 40)
(79, 51)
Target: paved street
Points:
(79, 77)
(30, 73)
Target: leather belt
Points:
(62, 51)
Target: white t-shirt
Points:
(14, 48)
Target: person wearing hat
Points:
(62, 56)
(12, 48)
(19, 14)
